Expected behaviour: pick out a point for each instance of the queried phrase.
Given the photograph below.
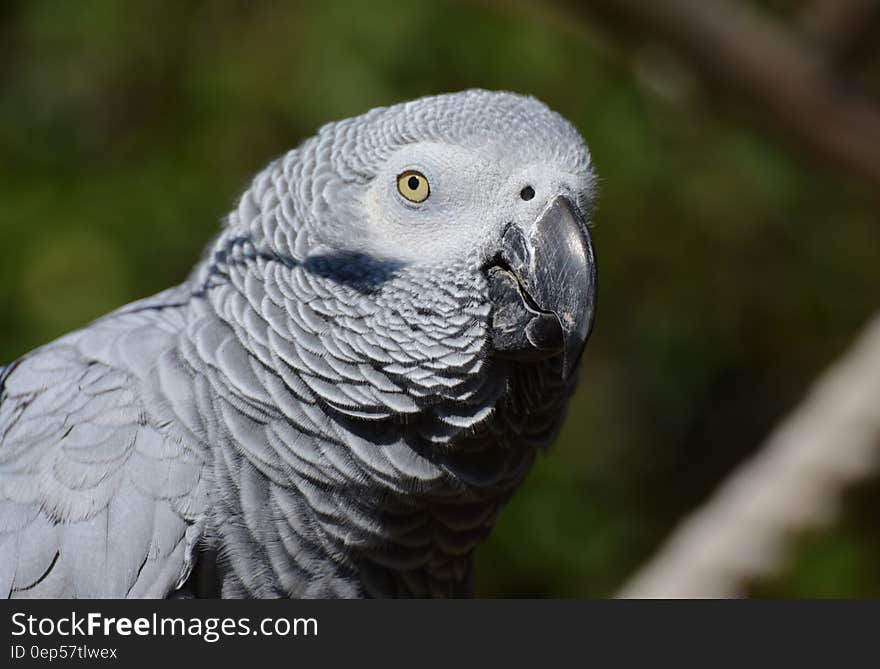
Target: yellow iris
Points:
(413, 186)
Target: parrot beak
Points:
(543, 285)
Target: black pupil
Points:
(527, 193)
(413, 183)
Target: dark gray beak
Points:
(543, 287)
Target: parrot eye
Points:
(413, 186)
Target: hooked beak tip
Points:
(554, 268)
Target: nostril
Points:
(527, 193)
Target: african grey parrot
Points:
(348, 387)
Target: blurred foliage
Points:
(731, 273)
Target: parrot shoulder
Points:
(99, 496)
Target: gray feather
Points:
(318, 406)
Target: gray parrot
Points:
(343, 394)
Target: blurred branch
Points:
(741, 52)
(795, 482)
(840, 27)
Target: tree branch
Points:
(739, 51)
(795, 482)
(839, 27)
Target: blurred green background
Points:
(731, 269)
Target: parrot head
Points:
(430, 260)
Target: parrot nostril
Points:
(527, 193)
